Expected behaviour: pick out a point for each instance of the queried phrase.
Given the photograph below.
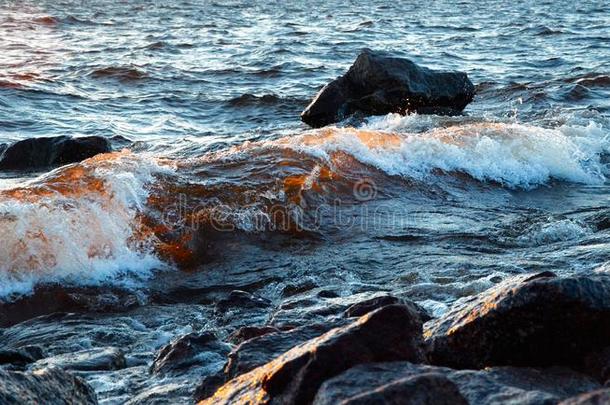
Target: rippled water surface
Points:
(221, 187)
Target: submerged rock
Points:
(44, 152)
(529, 320)
(46, 386)
(378, 83)
(389, 333)
(190, 350)
(491, 386)
(105, 358)
(20, 357)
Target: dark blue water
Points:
(222, 187)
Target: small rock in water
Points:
(188, 351)
(389, 333)
(45, 152)
(241, 299)
(378, 83)
(21, 356)
(45, 386)
(364, 307)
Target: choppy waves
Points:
(104, 220)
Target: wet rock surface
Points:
(538, 320)
(423, 389)
(379, 83)
(46, 386)
(51, 298)
(260, 350)
(490, 386)
(110, 358)
(20, 357)
(295, 376)
(46, 152)
(300, 350)
(188, 350)
(599, 397)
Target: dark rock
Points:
(364, 307)
(423, 389)
(105, 358)
(39, 153)
(162, 394)
(208, 386)
(481, 387)
(387, 334)
(299, 311)
(597, 364)
(188, 351)
(61, 333)
(378, 83)
(328, 294)
(599, 397)
(249, 332)
(298, 288)
(47, 386)
(52, 298)
(539, 320)
(21, 356)
(258, 351)
(241, 299)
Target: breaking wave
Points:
(77, 225)
(514, 155)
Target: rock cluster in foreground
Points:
(528, 340)
(378, 83)
(531, 339)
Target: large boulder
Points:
(387, 334)
(410, 382)
(538, 320)
(45, 152)
(378, 83)
(47, 386)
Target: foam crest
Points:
(77, 225)
(514, 155)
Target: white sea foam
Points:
(553, 232)
(514, 155)
(82, 237)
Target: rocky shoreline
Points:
(534, 339)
